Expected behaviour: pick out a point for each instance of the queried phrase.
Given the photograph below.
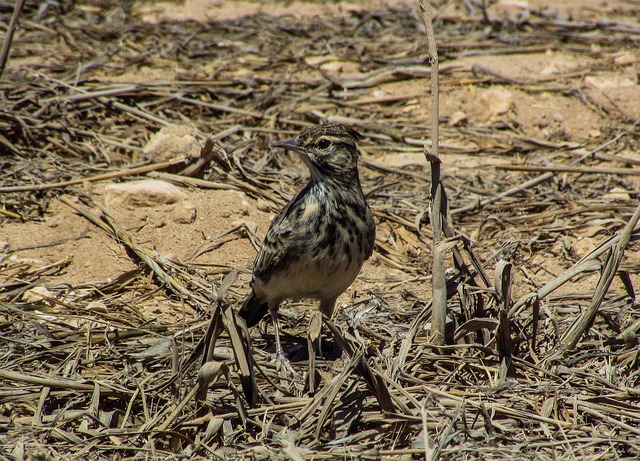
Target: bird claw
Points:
(284, 368)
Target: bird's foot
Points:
(284, 368)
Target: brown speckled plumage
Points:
(316, 245)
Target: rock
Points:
(184, 212)
(37, 295)
(498, 101)
(148, 193)
(617, 93)
(608, 81)
(171, 142)
(550, 69)
(97, 306)
(457, 118)
(624, 58)
(264, 205)
(154, 194)
(617, 193)
(404, 159)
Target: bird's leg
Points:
(314, 336)
(276, 329)
(327, 308)
(281, 361)
(313, 345)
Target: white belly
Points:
(325, 281)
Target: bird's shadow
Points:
(296, 349)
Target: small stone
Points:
(617, 193)
(457, 118)
(171, 142)
(97, 306)
(148, 193)
(607, 82)
(155, 194)
(184, 212)
(37, 295)
(624, 58)
(263, 205)
(498, 100)
(246, 207)
(551, 69)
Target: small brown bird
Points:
(316, 245)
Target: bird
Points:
(316, 245)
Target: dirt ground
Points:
(532, 84)
(559, 118)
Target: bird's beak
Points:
(289, 144)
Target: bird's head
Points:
(329, 151)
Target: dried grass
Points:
(547, 376)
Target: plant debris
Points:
(540, 171)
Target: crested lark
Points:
(316, 245)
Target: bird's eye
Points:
(324, 143)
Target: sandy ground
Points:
(71, 252)
(551, 116)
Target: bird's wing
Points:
(282, 242)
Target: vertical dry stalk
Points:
(502, 284)
(426, 440)
(438, 283)
(439, 288)
(6, 46)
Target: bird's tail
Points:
(253, 310)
